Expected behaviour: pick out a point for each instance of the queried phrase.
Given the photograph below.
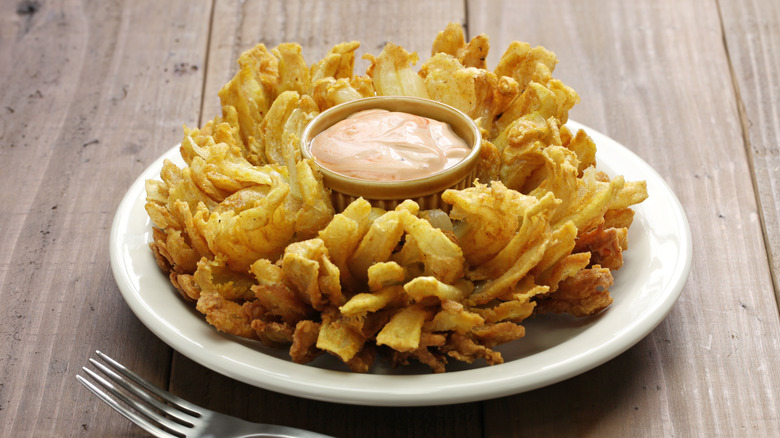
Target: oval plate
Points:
(555, 347)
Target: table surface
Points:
(93, 92)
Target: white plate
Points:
(555, 347)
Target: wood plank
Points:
(655, 76)
(752, 31)
(91, 94)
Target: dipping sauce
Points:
(383, 145)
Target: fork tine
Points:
(180, 420)
(174, 418)
(182, 404)
(182, 417)
(127, 413)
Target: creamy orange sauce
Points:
(385, 145)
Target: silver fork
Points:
(165, 415)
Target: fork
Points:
(165, 415)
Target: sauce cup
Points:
(426, 191)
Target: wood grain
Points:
(752, 37)
(99, 90)
(655, 76)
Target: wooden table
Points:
(93, 92)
